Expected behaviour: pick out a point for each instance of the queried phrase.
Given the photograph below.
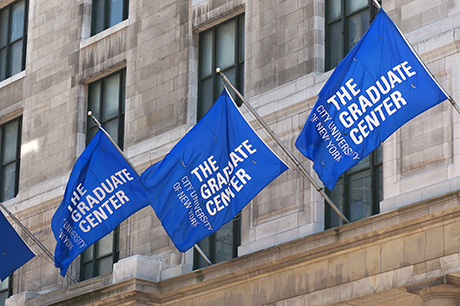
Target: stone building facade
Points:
(404, 252)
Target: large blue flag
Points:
(102, 191)
(210, 175)
(380, 85)
(13, 251)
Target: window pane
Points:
(206, 53)
(17, 24)
(111, 97)
(116, 12)
(112, 128)
(4, 284)
(360, 196)
(105, 265)
(3, 297)
(226, 45)
(87, 270)
(105, 246)
(3, 64)
(379, 155)
(98, 17)
(357, 25)
(335, 9)
(206, 97)
(88, 253)
(224, 242)
(9, 181)
(336, 43)
(10, 143)
(363, 164)
(16, 58)
(231, 75)
(355, 5)
(337, 198)
(205, 247)
(4, 17)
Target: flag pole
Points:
(376, 3)
(90, 113)
(451, 100)
(284, 148)
(25, 229)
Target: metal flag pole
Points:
(44, 249)
(376, 3)
(90, 113)
(285, 149)
(451, 100)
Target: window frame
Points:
(344, 17)
(216, 88)
(6, 71)
(17, 159)
(106, 15)
(376, 184)
(199, 262)
(238, 64)
(91, 129)
(95, 260)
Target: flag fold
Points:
(102, 191)
(210, 175)
(379, 86)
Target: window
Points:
(107, 13)
(346, 22)
(99, 258)
(10, 140)
(220, 47)
(220, 246)
(358, 191)
(13, 36)
(5, 290)
(106, 100)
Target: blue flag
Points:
(13, 251)
(210, 175)
(102, 191)
(380, 85)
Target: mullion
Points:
(107, 13)
(24, 34)
(121, 108)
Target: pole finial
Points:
(218, 70)
(90, 113)
(376, 4)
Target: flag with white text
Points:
(13, 251)
(102, 191)
(380, 85)
(210, 175)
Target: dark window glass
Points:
(106, 100)
(10, 139)
(358, 191)
(346, 22)
(13, 36)
(107, 13)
